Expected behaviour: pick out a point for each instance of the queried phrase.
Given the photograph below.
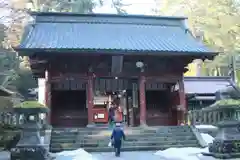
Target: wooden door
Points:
(69, 118)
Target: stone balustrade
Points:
(212, 116)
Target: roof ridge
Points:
(40, 17)
(114, 23)
(206, 78)
(106, 15)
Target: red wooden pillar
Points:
(173, 110)
(90, 99)
(48, 94)
(142, 95)
(182, 109)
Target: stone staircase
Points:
(147, 138)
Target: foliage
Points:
(78, 6)
(216, 22)
(15, 71)
(29, 104)
(118, 5)
(6, 104)
(24, 81)
(6, 136)
(191, 70)
(2, 34)
(224, 105)
(7, 127)
(9, 61)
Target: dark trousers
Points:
(110, 119)
(117, 147)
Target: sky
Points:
(143, 7)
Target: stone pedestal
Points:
(227, 142)
(30, 146)
(46, 136)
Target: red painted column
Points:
(90, 98)
(174, 111)
(182, 109)
(46, 88)
(48, 95)
(142, 95)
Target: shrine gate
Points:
(86, 59)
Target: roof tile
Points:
(111, 36)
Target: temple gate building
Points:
(202, 91)
(86, 61)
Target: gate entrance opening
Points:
(69, 108)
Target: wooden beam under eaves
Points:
(117, 64)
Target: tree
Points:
(76, 6)
(7, 62)
(118, 5)
(218, 22)
(10, 35)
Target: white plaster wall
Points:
(198, 65)
(41, 90)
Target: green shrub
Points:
(7, 127)
(7, 134)
(225, 102)
(29, 104)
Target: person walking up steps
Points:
(116, 139)
(111, 115)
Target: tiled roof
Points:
(205, 85)
(111, 33)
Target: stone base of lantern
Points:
(30, 146)
(227, 142)
(223, 156)
(30, 153)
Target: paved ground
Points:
(109, 156)
(127, 156)
(4, 155)
(144, 156)
(124, 156)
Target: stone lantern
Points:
(30, 146)
(227, 141)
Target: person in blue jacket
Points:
(116, 138)
(111, 114)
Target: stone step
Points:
(137, 148)
(141, 143)
(128, 138)
(148, 138)
(132, 139)
(132, 128)
(126, 130)
(139, 130)
(169, 134)
(130, 148)
(128, 144)
(104, 134)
